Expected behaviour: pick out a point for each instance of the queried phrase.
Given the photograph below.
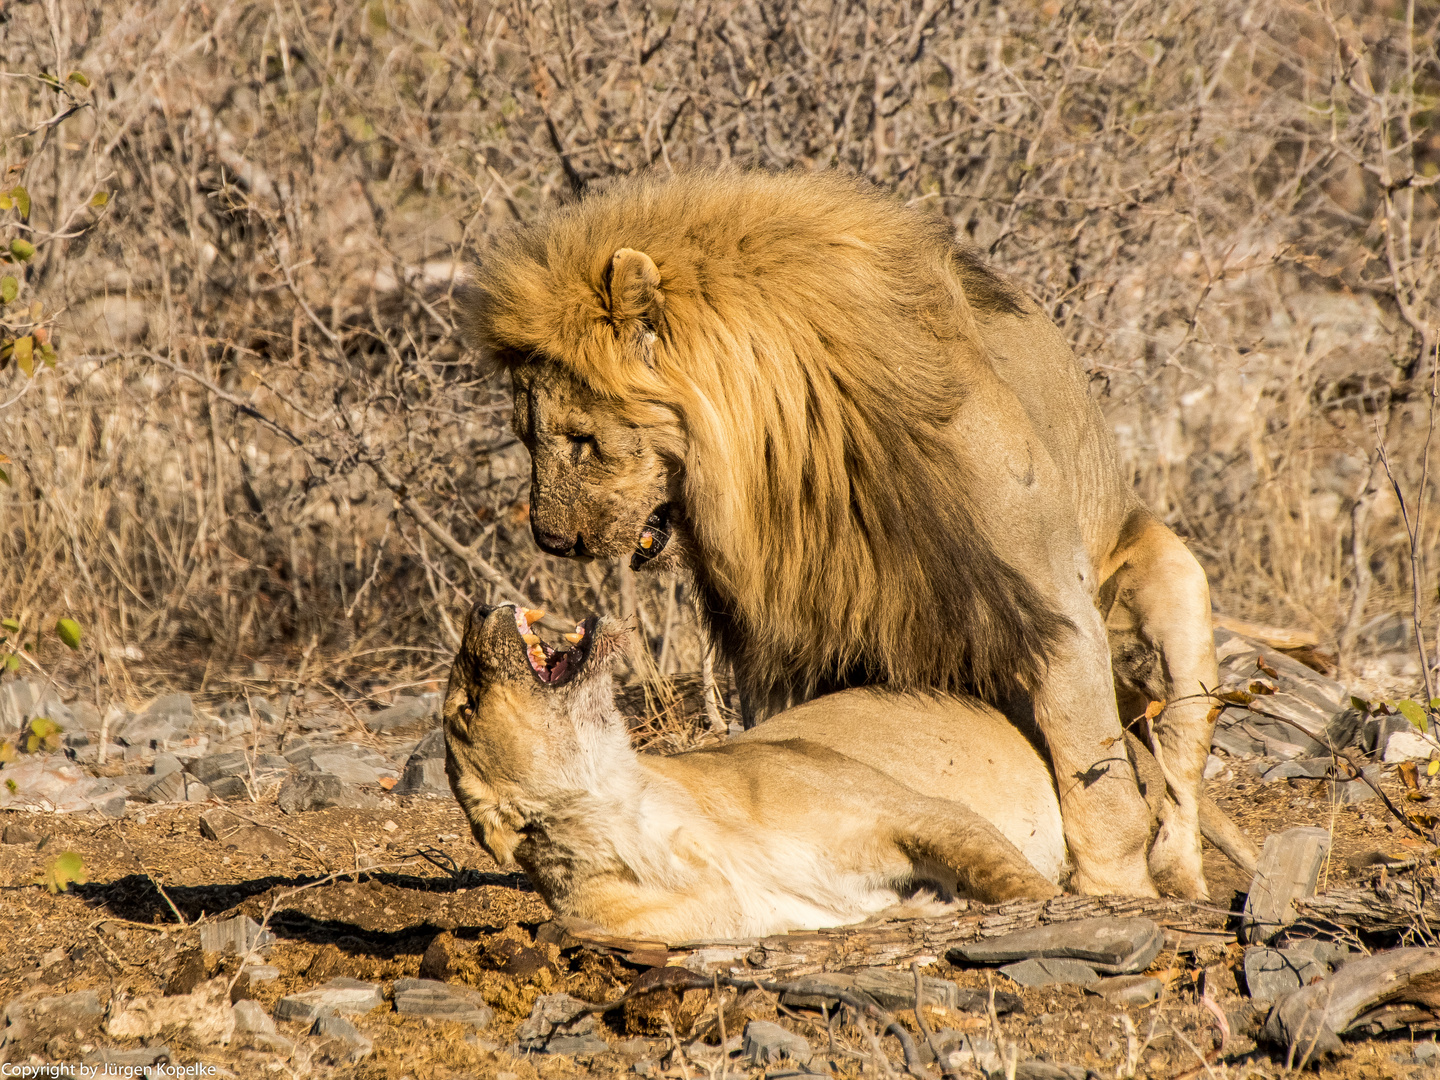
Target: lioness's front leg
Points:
(1029, 517)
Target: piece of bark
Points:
(1308, 1022)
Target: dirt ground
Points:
(118, 932)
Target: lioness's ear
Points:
(636, 302)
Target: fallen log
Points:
(898, 942)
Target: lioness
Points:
(828, 813)
(878, 459)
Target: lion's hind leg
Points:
(947, 839)
(1157, 614)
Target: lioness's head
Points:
(517, 712)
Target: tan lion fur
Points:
(819, 817)
(809, 356)
(879, 461)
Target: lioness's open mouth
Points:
(554, 666)
(653, 537)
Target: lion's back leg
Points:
(1156, 604)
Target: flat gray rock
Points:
(337, 997)
(765, 1043)
(1048, 971)
(1273, 973)
(443, 1001)
(577, 1044)
(1127, 989)
(1299, 769)
(1108, 946)
(1350, 792)
(1289, 866)
(896, 989)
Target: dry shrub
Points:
(263, 436)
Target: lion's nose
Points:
(552, 544)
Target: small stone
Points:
(351, 1044)
(958, 1051)
(350, 770)
(554, 1015)
(406, 715)
(424, 777)
(1109, 946)
(577, 1044)
(1289, 867)
(320, 791)
(766, 1043)
(261, 973)
(236, 935)
(1408, 746)
(1050, 971)
(196, 792)
(1272, 973)
(428, 997)
(1214, 767)
(439, 959)
(1035, 1069)
(166, 763)
(347, 996)
(168, 787)
(230, 787)
(251, 1016)
(1299, 768)
(389, 826)
(18, 834)
(1350, 792)
(1426, 1053)
(1127, 989)
(175, 707)
(73, 1008)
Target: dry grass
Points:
(1224, 204)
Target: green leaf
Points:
(25, 354)
(12, 662)
(22, 201)
(9, 289)
(6, 203)
(21, 249)
(11, 786)
(66, 869)
(69, 632)
(1414, 712)
(100, 198)
(13, 625)
(1435, 704)
(1359, 703)
(78, 77)
(7, 753)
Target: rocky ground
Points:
(284, 886)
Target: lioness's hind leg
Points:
(1157, 608)
(986, 865)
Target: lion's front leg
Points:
(1158, 616)
(1107, 825)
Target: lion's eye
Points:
(581, 447)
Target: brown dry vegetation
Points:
(264, 439)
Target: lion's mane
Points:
(809, 352)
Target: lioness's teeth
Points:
(647, 539)
(537, 655)
(534, 615)
(530, 639)
(574, 639)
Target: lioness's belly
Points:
(942, 747)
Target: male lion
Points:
(879, 461)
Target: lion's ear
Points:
(636, 302)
